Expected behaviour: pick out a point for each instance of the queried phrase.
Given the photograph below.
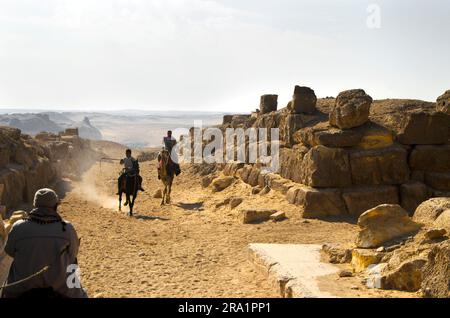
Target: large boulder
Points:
(379, 166)
(359, 200)
(325, 167)
(427, 212)
(373, 136)
(291, 162)
(430, 158)
(317, 203)
(436, 272)
(383, 224)
(222, 183)
(351, 109)
(291, 123)
(422, 128)
(303, 101)
(363, 258)
(323, 134)
(443, 103)
(268, 103)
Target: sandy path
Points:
(175, 251)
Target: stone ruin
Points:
(27, 164)
(384, 163)
(344, 156)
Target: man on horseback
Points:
(131, 168)
(169, 142)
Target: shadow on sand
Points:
(197, 206)
(150, 218)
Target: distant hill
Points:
(31, 124)
(86, 130)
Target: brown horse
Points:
(167, 173)
(129, 186)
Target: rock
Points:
(222, 183)
(318, 203)
(436, 272)
(421, 128)
(256, 190)
(223, 203)
(255, 216)
(427, 212)
(438, 181)
(206, 181)
(278, 216)
(322, 134)
(157, 194)
(269, 103)
(303, 101)
(383, 224)
(335, 254)
(345, 273)
(253, 176)
(235, 201)
(279, 184)
(379, 166)
(443, 220)
(325, 167)
(430, 158)
(291, 161)
(351, 109)
(435, 234)
(362, 258)
(412, 194)
(290, 124)
(358, 200)
(443, 103)
(373, 136)
(380, 249)
(406, 277)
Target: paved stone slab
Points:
(293, 269)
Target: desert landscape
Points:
(362, 194)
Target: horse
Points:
(167, 172)
(130, 186)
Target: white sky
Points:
(216, 55)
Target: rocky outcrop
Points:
(351, 109)
(421, 128)
(383, 224)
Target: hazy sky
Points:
(217, 55)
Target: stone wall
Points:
(28, 164)
(345, 158)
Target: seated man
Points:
(169, 142)
(131, 167)
(44, 249)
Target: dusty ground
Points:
(187, 249)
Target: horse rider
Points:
(44, 248)
(131, 168)
(169, 142)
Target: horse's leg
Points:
(164, 194)
(120, 200)
(132, 204)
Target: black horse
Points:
(129, 186)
